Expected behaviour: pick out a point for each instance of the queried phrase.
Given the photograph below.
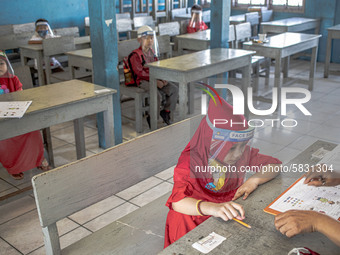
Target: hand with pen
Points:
(326, 177)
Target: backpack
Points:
(129, 75)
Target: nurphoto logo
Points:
(239, 104)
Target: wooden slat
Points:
(75, 186)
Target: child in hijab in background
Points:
(209, 176)
(23, 152)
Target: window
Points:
(288, 5)
(277, 5)
(246, 3)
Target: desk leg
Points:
(80, 137)
(180, 49)
(108, 117)
(246, 83)
(312, 68)
(41, 75)
(277, 82)
(153, 102)
(328, 55)
(183, 95)
(191, 98)
(73, 73)
(48, 145)
(286, 68)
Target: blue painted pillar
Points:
(191, 3)
(104, 45)
(219, 25)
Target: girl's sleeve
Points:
(182, 187)
(258, 159)
(17, 83)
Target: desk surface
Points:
(284, 40)
(201, 35)
(289, 22)
(37, 47)
(199, 59)
(262, 238)
(86, 53)
(54, 95)
(336, 28)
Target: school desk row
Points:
(192, 67)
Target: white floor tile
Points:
(281, 137)
(16, 208)
(4, 185)
(110, 216)
(166, 174)
(303, 142)
(67, 134)
(95, 210)
(73, 237)
(139, 188)
(265, 147)
(6, 249)
(328, 133)
(152, 194)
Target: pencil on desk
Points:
(241, 222)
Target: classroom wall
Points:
(66, 13)
(326, 10)
(60, 13)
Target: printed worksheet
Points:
(14, 109)
(303, 197)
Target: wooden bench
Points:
(78, 185)
(138, 94)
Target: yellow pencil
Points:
(241, 222)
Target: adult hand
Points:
(294, 222)
(246, 188)
(225, 211)
(321, 175)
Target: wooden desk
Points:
(333, 33)
(263, 238)
(58, 103)
(80, 58)
(35, 51)
(193, 67)
(282, 46)
(194, 41)
(295, 24)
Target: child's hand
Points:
(225, 211)
(160, 84)
(246, 188)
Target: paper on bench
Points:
(208, 243)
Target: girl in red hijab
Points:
(23, 152)
(196, 22)
(211, 170)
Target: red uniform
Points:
(187, 183)
(137, 61)
(200, 27)
(23, 152)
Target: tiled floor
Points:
(20, 231)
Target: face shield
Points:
(148, 41)
(43, 29)
(228, 158)
(196, 18)
(6, 70)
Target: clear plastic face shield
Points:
(6, 70)
(149, 43)
(196, 18)
(44, 30)
(229, 158)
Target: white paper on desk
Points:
(208, 243)
(13, 109)
(101, 91)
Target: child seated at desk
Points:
(44, 31)
(148, 52)
(196, 23)
(210, 172)
(23, 152)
